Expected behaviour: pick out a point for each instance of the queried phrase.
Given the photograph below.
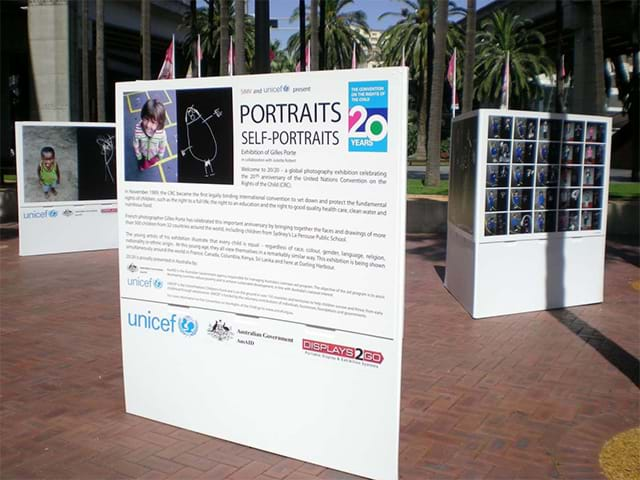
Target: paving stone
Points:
(524, 396)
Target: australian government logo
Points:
(368, 116)
(220, 331)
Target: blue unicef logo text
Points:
(40, 214)
(145, 282)
(149, 321)
(188, 326)
(157, 323)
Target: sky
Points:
(282, 9)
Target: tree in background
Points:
(86, 111)
(413, 34)
(100, 102)
(224, 37)
(501, 33)
(432, 169)
(210, 35)
(342, 30)
(239, 62)
(145, 31)
(469, 57)
(283, 60)
(313, 31)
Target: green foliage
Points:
(411, 32)
(283, 61)
(501, 33)
(416, 187)
(624, 190)
(412, 138)
(211, 51)
(342, 30)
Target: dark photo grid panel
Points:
(543, 175)
(205, 136)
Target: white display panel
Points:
(69, 203)
(531, 234)
(267, 230)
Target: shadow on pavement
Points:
(434, 251)
(624, 248)
(617, 356)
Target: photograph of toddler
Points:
(48, 172)
(149, 137)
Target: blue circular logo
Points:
(188, 326)
(53, 213)
(157, 283)
(285, 88)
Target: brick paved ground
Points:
(523, 396)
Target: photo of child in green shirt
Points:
(48, 172)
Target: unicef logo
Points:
(53, 213)
(188, 326)
(157, 283)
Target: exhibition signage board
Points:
(262, 223)
(66, 186)
(527, 210)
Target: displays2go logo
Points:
(368, 110)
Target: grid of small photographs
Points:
(543, 175)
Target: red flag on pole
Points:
(354, 63)
(230, 57)
(451, 77)
(505, 86)
(166, 72)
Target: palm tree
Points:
(224, 37)
(283, 60)
(315, 42)
(210, 34)
(432, 169)
(469, 57)
(598, 58)
(100, 60)
(85, 61)
(342, 30)
(413, 34)
(501, 33)
(145, 29)
(239, 38)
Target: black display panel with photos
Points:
(543, 175)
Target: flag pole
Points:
(199, 57)
(354, 63)
(453, 93)
(231, 56)
(173, 56)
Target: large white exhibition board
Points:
(262, 223)
(73, 207)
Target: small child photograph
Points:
(50, 164)
(150, 136)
